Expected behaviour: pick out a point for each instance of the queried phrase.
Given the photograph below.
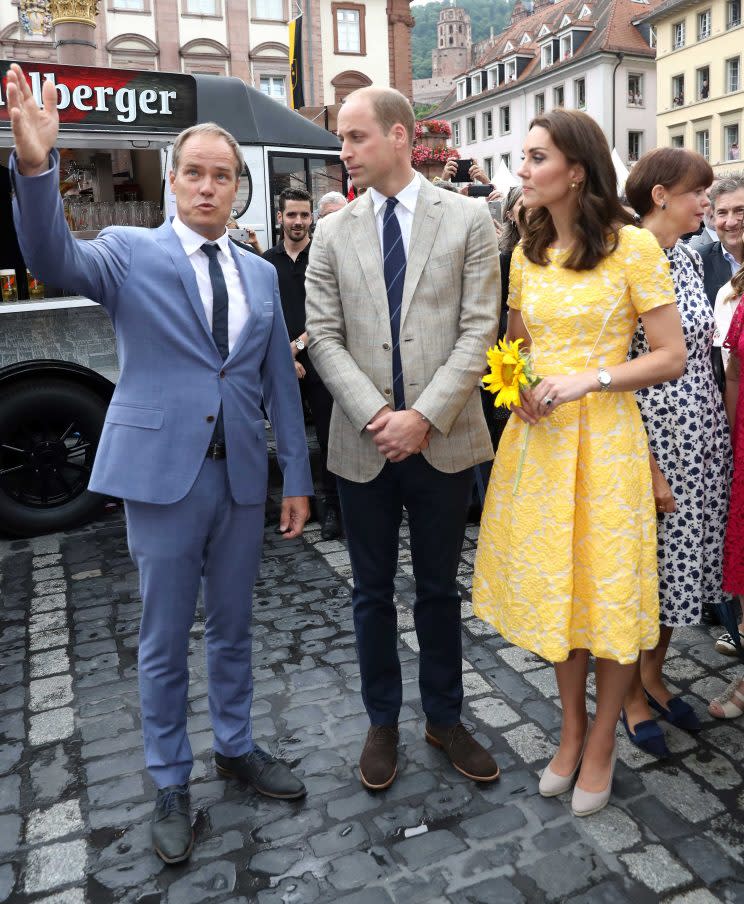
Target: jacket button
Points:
(387, 392)
(386, 346)
(222, 374)
(210, 418)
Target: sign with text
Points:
(93, 98)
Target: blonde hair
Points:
(207, 128)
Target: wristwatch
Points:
(299, 344)
(605, 379)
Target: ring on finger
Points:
(548, 401)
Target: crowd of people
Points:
(628, 517)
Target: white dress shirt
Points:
(404, 209)
(237, 311)
(723, 313)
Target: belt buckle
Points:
(216, 451)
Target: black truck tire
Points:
(49, 432)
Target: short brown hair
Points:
(207, 128)
(670, 168)
(599, 212)
(390, 107)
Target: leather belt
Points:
(216, 451)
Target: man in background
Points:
(330, 203)
(290, 257)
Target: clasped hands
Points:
(398, 434)
(551, 392)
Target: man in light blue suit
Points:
(202, 342)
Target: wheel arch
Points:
(69, 370)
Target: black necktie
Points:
(219, 321)
(394, 267)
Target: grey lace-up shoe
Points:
(172, 835)
(268, 775)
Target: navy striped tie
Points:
(394, 267)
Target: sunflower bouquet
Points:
(510, 369)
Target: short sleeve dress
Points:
(688, 434)
(569, 560)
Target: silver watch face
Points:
(299, 344)
(604, 379)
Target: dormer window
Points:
(566, 22)
(566, 47)
(493, 78)
(510, 71)
(525, 39)
(546, 55)
(461, 90)
(585, 13)
(543, 31)
(509, 47)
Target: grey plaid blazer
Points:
(450, 315)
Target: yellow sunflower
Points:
(509, 371)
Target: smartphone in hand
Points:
(462, 173)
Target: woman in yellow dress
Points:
(566, 565)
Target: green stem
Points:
(522, 456)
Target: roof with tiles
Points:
(612, 31)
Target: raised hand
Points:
(34, 129)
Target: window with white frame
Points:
(347, 29)
(546, 55)
(129, 4)
(733, 77)
(461, 91)
(470, 129)
(635, 89)
(269, 9)
(702, 143)
(504, 120)
(733, 13)
(510, 71)
(566, 50)
(652, 36)
(678, 35)
(580, 93)
(506, 160)
(731, 142)
(703, 25)
(678, 91)
(275, 86)
(201, 7)
(539, 104)
(488, 166)
(559, 96)
(456, 137)
(678, 141)
(488, 124)
(493, 78)
(635, 146)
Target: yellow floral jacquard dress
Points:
(569, 562)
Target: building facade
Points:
(700, 93)
(346, 44)
(582, 54)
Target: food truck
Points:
(58, 362)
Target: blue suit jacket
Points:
(161, 417)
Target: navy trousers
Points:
(437, 506)
(205, 539)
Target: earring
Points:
(573, 186)
(663, 205)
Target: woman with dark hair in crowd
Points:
(688, 437)
(566, 564)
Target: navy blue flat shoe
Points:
(648, 736)
(676, 712)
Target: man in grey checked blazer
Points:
(407, 424)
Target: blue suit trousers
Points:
(204, 539)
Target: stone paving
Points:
(75, 799)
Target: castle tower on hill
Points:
(452, 53)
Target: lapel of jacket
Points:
(426, 219)
(167, 238)
(367, 248)
(251, 292)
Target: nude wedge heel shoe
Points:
(552, 784)
(584, 803)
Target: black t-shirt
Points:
(291, 275)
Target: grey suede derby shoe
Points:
(268, 775)
(172, 835)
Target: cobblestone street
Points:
(75, 799)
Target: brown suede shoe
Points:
(378, 764)
(464, 752)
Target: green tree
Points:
(484, 14)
